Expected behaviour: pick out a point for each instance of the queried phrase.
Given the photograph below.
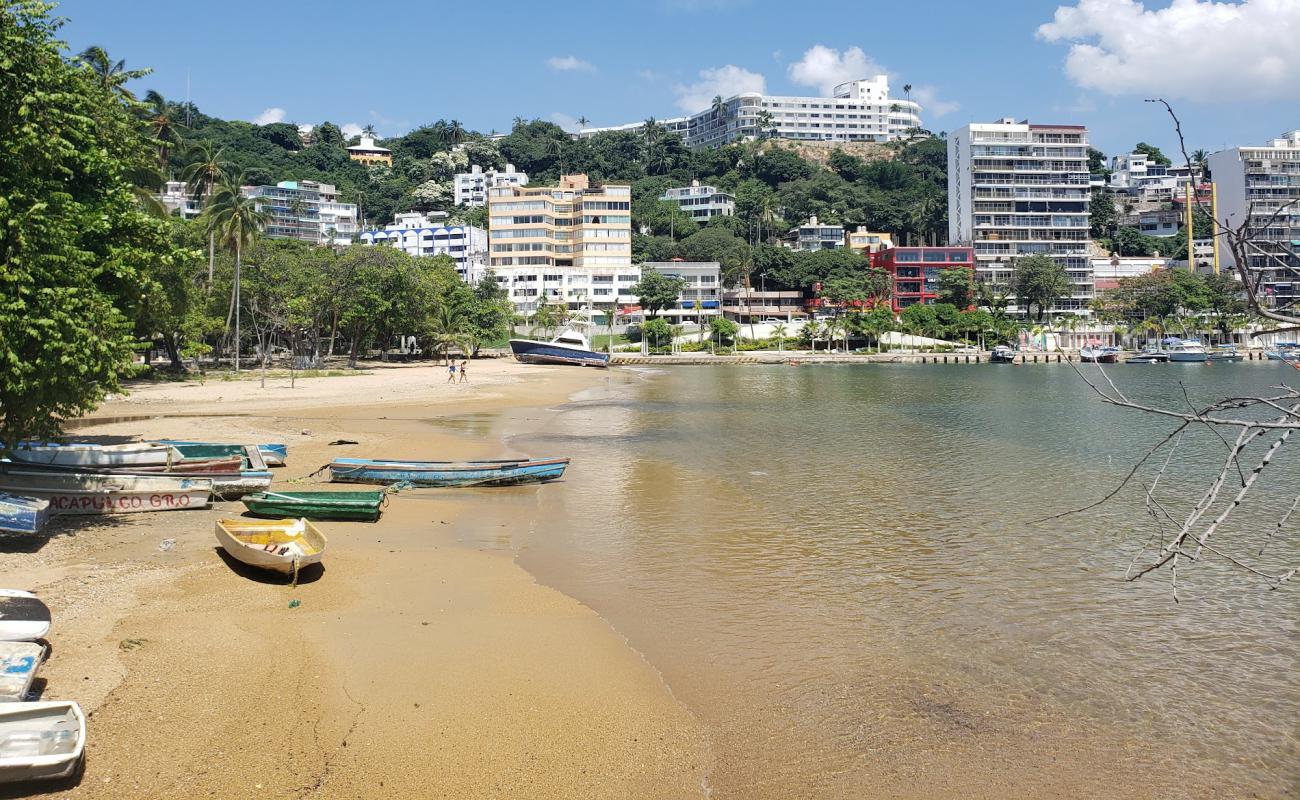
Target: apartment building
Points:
(1255, 186)
(306, 210)
(814, 235)
(1017, 189)
(861, 240)
(702, 203)
(703, 285)
(570, 243)
(176, 196)
(914, 271)
(471, 187)
(1147, 183)
(419, 235)
(369, 153)
(857, 111)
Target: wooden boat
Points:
(106, 493)
(227, 483)
(270, 454)
(283, 545)
(23, 617)
(146, 454)
(190, 466)
(507, 472)
(316, 505)
(23, 514)
(43, 740)
(18, 664)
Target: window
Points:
(907, 256)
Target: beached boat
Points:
(362, 506)
(1099, 355)
(43, 740)
(283, 545)
(259, 456)
(1002, 355)
(95, 455)
(18, 664)
(105, 493)
(447, 473)
(23, 514)
(570, 347)
(23, 617)
(227, 483)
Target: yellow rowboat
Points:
(282, 545)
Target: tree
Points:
(1040, 281)
(1102, 217)
(957, 287)
(75, 247)
(236, 220)
(111, 75)
(1152, 153)
(206, 166)
(657, 291)
(656, 332)
(723, 331)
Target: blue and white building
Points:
(418, 235)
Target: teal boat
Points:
(270, 454)
(362, 506)
(509, 472)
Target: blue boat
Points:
(509, 472)
(23, 514)
(570, 347)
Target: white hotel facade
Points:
(1017, 189)
(857, 111)
(418, 235)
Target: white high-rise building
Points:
(857, 111)
(1257, 183)
(471, 187)
(306, 210)
(418, 235)
(702, 203)
(1015, 190)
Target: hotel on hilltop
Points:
(857, 111)
(1017, 189)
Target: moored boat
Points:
(42, 740)
(507, 472)
(570, 347)
(23, 514)
(1002, 355)
(106, 493)
(1186, 351)
(363, 506)
(1226, 352)
(1091, 354)
(146, 454)
(1148, 355)
(283, 545)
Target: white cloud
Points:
(1243, 50)
(648, 75)
(932, 106)
(350, 129)
(268, 116)
(568, 123)
(726, 81)
(825, 67)
(569, 64)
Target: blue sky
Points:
(398, 65)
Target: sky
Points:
(1231, 69)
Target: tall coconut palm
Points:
(369, 130)
(456, 132)
(201, 174)
(112, 75)
(907, 91)
(583, 122)
(237, 221)
(163, 129)
(719, 107)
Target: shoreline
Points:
(419, 661)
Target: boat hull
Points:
(246, 541)
(23, 514)
(93, 455)
(435, 473)
(84, 493)
(271, 455)
(19, 662)
(355, 506)
(53, 715)
(226, 484)
(1188, 358)
(533, 352)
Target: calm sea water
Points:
(840, 571)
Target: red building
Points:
(915, 270)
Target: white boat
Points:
(1002, 355)
(570, 347)
(282, 545)
(1095, 354)
(44, 740)
(1186, 350)
(96, 455)
(23, 617)
(106, 493)
(18, 664)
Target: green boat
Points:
(316, 505)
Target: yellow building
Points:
(573, 225)
(369, 153)
(865, 241)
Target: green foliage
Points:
(1102, 216)
(1040, 282)
(957, 287)
(78, 256)
(1097, 163)
(1152, 153)
(656, 291)
(722, 330)
(1170, 294)
(658, 334)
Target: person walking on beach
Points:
(451, 371)
(464, 376)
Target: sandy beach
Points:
(417, 663)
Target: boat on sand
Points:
(147, 454)
(363, 506)
(104, 492)
(42, 740)
(507, 472)
(23, 514)
(282, 545)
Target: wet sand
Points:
(418, 662)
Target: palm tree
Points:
(764, 123)
(236, 219)
(907, 91)
(611, 319)
(448, 329)
(555, 149)
(779, 333)
(1200, 160)
(456, 132)
(162, 128)
(369, 131)
(112, 75)
(200, 175)
(718, 106)
(583, 122)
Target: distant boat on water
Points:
(104, 492)
(1002, 355)
(1099, 355)
(1186, 350)
(508, 472)
(1148, 355)
(146, 454)
(570, 347)
(23, 514)
(1226, 352)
